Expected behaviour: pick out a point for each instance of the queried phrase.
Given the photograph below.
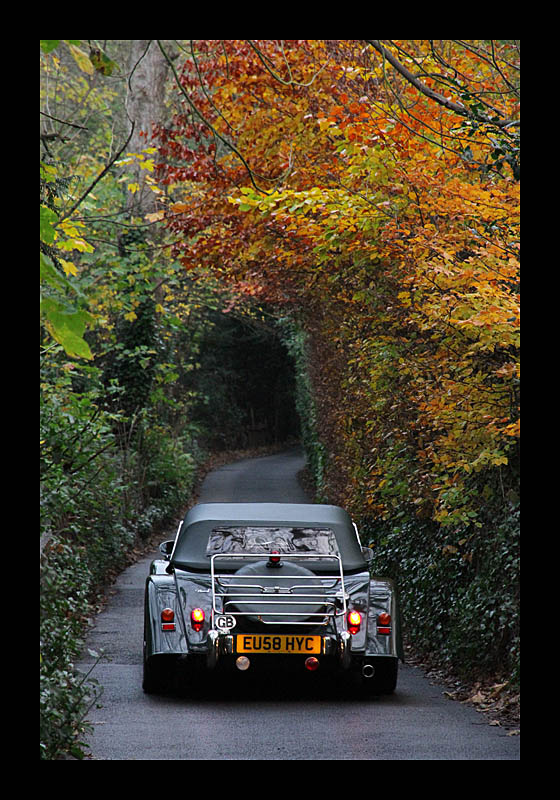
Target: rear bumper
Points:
(334, 649)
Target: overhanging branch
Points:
(457, 108)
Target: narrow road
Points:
(244, 721)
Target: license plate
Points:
(276, 643)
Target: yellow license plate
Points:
(276, 643)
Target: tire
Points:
(385, 678)
(158, 674)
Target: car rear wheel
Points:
(158, 674)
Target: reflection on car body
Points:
(266, 586)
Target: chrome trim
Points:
(275, 596)
(357, 534)
(213, 649)
(176, 540)
(344, 644)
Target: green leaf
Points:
(49, 274)
(101, 62)
(48, 219)
(49, 44)
(67, 327)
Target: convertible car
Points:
(259, 587)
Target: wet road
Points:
(247, 719)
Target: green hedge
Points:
(295, 341)
(459, 593)
(100, 495)
(458, 588)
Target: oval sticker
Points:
(225, 622)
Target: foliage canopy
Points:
(374, 186)
(365, 191)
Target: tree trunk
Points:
(145, 106)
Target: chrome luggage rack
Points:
(333, 596)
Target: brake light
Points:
(168, 619)
(274, 559)
(354, 621)
(197, 618)
(384, 623)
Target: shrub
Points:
(459, 592)
(96, 501)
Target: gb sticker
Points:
(225, 622)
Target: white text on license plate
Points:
(281, 643)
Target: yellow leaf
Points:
(178, 208)
(133, 187)
(513, 429)
(131, 316)
(81, 59)
(76, 244)
(155, 216)
(68, 267)
(159, 308)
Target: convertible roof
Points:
(190, 546)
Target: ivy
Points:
(459, 590)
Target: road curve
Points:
(246, 721)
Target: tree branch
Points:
(96, 181)
(203, 119)
(64, 122)
(425, 90)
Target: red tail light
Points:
(168, 619)
(354, 621)
(384, 623)
(197, 619)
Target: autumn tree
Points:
(118, 442)
(370, 190)
(374, 186)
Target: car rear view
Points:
(265, 587)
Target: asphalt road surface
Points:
(244, 720)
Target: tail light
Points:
(384, 623)
(168, 619)
(354, 621)
(197, 619)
